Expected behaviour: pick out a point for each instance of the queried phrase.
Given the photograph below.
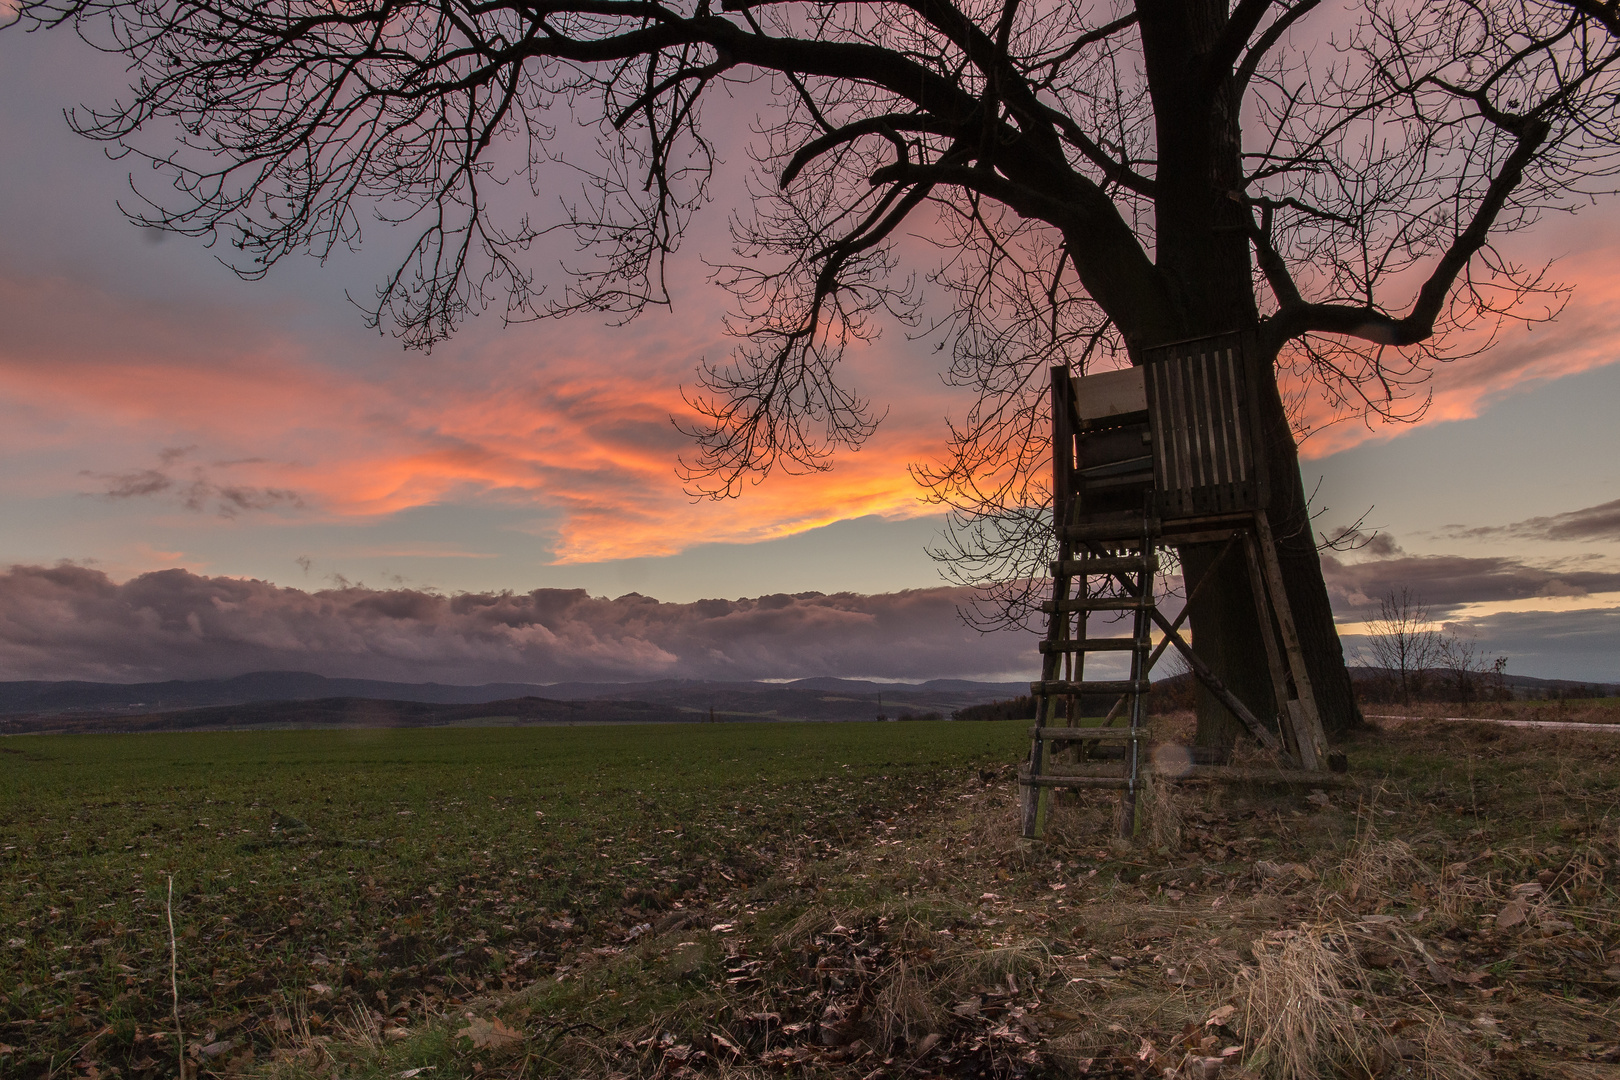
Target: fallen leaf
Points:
(489, 1034)
(215, 1049)
(1512, 914)
(1203, 1068)
(1439, 972)
(1221, 1016)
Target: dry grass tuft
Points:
(1298, 1010)
(1161, 816)
(904, 1007)
(1443, 1051)
(812, 922)
(1378, 867)
(975, 968)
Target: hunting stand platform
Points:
(1165, 454)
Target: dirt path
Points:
(1546, 725)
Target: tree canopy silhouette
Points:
(1100, 177)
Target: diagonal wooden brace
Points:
(1218, 688)
(1186, 610)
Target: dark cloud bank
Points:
(1579, 644)
(1590, 523)
(1446, 582)
(72, 622)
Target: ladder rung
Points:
(1104, 565)
(1099, 644)
(1097, 603)
(1085, 734)
(1056, 687)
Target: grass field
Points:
(841, 901)
(314, 869)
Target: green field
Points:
(316, 869)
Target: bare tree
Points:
(1404, 642)
(1100, 178)
(1470, 677)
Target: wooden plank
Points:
(1117, 782)
(1104, 564)
(1084, 734)
(1110, 393)
(1115, 644)
(1312, 739)
(1124, 528)
(1242, 774)
(1176, 537)
(1274, 664)
(1065, 687)
(1096, 603)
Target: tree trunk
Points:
(1203, 254)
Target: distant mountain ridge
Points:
(38, 697)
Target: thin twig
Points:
(174, 982)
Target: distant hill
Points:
(345, 712)
(272, 699)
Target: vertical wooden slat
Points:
(1187, 426)
(1222, 426)
(1189, 430)
(1246, 427)
(1153, 373)
(1228, 423)
(1198, 416)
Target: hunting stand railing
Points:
(1165, 454)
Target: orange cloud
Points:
(246, 411)
(256, 418)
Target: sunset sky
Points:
(157, 414)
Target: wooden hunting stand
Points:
(1165, 454)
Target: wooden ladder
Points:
(1103, 567)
